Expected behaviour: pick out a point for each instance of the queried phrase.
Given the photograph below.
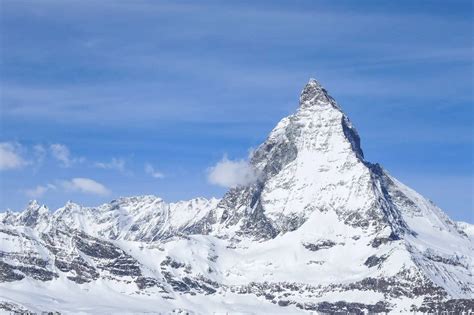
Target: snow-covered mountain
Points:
(321, 229)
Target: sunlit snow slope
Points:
(321, 229)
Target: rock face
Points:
(321, 229)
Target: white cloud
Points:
(39, 152)
(150, 170)
(114, 164)
(61, 153)
(39, 190)
(86, 185)
(227, 173)
(10, 157)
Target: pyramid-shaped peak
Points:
(314, 82)
(314, 93)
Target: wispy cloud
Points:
(85, 185)
(14, 155)
(150, 170)
(39, 152)
(78, 184)
(114, 164)
(61, 153)
(39, 190)
(10, 156)
(307, 29)
(228, 173)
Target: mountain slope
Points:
(320, 229)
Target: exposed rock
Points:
(373, 261)
(321, 244)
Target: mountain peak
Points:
(35, 207)
(33, 204)
(33, 213)
(313, 81)
(314, 93)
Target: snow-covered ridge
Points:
(321, 230)
(138, 218)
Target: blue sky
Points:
(143, 97)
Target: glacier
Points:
(320, 230)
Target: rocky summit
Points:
(320, 230)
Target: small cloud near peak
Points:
(229, 174)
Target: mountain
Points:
(320, 229)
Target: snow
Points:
(334, 195)
(437, 235)
(466, 228)
(106, 297)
